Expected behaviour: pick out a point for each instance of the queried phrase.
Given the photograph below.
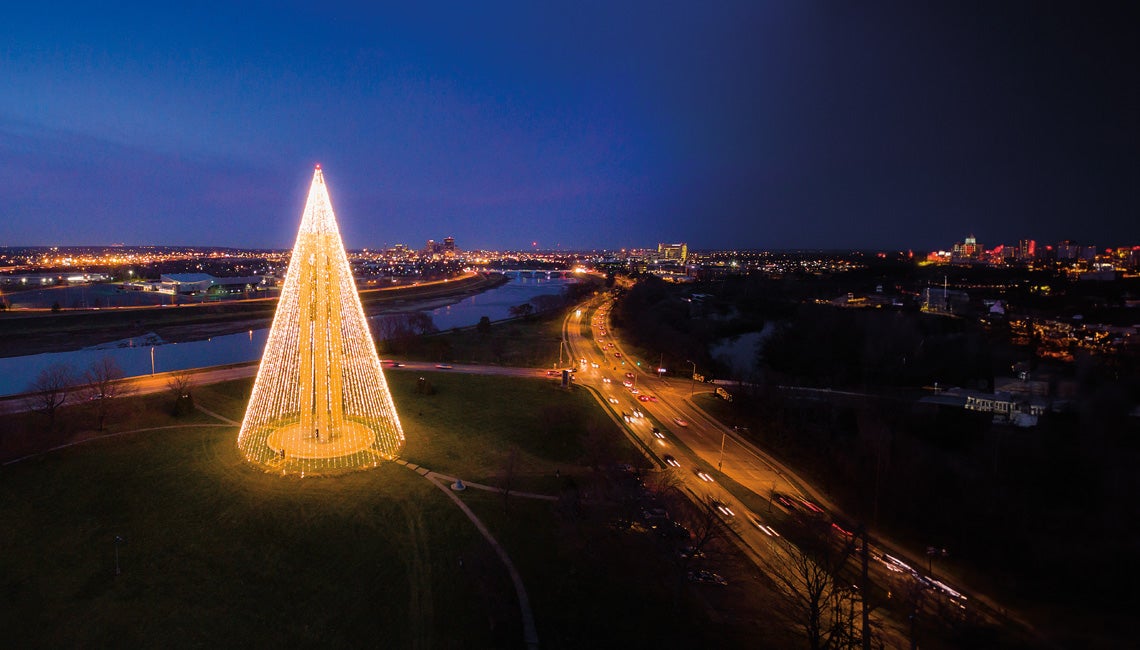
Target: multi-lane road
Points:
(694, 441)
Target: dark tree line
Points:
(814, 345)
(395, 332)
(661, 319)
(833, 347)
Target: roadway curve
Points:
(713, 444)
(157, 383)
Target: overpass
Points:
(533, 273)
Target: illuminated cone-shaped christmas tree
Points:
(320, 403)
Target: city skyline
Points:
(743, 125)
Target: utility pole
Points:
(720, 460)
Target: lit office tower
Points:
(320, 403)
(1026, 250)
(679, 252)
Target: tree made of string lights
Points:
(320, 403)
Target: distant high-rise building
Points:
(1067, 250)
(449, 246)
(679, 252)
(967, 250)
(1026, 250)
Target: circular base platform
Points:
(295, 442)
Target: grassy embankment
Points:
(218, 553)
(530, 342)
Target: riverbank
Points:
(24, 333)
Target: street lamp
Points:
(721, 459)
(692, 378)
(152, 360)
(931, 553)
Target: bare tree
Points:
(823, 604)
(421, 323)
(706, 524)
(50, 390)
(523, 311)
(104, 384)
(663, 483)
(179, 387)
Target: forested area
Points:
(1031, 513)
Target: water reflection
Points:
(496, 303)
(134, 355)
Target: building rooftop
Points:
(187, 277)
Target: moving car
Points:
(723, 508)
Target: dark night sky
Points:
(575, 124)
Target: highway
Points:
(605, 366)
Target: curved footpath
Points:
(441, 481)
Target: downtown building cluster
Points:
(1074, 257)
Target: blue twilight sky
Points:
(576, 124)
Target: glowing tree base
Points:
(295, 441)
(320, 403)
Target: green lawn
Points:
(472, 422)
(531, 342)
(217, 552)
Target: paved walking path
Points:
(477, 486)
(530, 633)
(216, 416)
(108, 435)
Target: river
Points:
(136, 356)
